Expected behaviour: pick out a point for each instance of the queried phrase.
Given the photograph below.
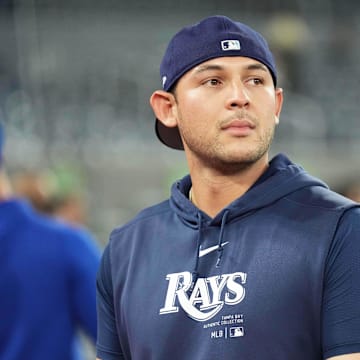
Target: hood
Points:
(282, 178)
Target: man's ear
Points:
(279, 97)
(164, 106)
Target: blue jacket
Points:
(275, 275)
(47, 284)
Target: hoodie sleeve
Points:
(341, 310)
(107, 346)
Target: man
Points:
(248, 259)
(47, 281)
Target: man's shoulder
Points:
(322, 197)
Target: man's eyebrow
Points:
(202, 68)
(257, 66)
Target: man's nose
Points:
(238, 96)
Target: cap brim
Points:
(169, 136)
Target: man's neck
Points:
(211, 191)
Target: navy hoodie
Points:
(275, 275)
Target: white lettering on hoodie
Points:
(208, 296)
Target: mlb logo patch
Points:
(230, 45)
(237, 331)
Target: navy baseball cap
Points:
(213, 37)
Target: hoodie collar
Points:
(282, 178)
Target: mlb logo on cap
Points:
(230, 45)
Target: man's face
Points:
(226, 110)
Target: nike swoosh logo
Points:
(203, 252)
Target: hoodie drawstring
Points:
(195, 273)
(220, 249)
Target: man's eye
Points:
(257, 81)
(213, 82)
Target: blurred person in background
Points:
(33, 185)
(47, 281)
(50, 194)
(351, 189)
(250, 258)
(69, 207)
